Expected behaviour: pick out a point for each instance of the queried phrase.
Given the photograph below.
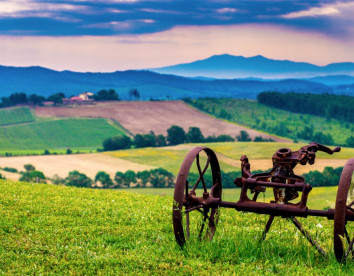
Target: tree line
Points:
(21, 98)
(325, 105)
(158, 178)
(175, 136)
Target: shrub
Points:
(104, 179)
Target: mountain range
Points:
(159, 85)
(231, 67)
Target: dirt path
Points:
(142, 117)
(61, 165)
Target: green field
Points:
(15, 115)
(47, 229)
(56, 135)
(261, 117)
(171, 158)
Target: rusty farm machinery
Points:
(203, 196)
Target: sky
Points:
(110, 35)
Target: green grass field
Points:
(56, 135)
(171, 158)
(15, 115)
(47, 229)
(262, 117)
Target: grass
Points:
(47, 229)
(172, 158)
(262, 117)
(56, 135)
(15, 115)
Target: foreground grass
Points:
(46, 229)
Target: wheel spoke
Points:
(350, 249)
(351, 204)
(349, 208)
(201, 173)
(187, 225)
(202, 227)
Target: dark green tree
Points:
(350, 141)
(176, 135)
(107, 95)
(35, 99)
(117, 143)
(78, 179)
(195, 135)
(119, 179)
(145, 140)
(243, 137)
(130, 177)
(57, 98)
(33, 176)
(160, 140)
(134, 93)
(29, 167)
(104, 179)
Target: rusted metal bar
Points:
(307, 235)
(267, 227)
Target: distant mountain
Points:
(45, 82)
(231, 67)
(333, 80)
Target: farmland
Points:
(272, 120)
(169, 158)
(143, 117)
(47, 229)
(10, 116)
(23, 133)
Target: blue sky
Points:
(109, 35)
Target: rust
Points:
(286, 187)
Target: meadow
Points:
(18, 115)
(24, 133)
(271, 120)
(47, 229)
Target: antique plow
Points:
(199, 190)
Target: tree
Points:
(119, 179)
(243, 137)
(321, 138)
(130, 177)
(160, 140)
(35, 99)
(161, 178)
(33, 176)
(145, 140)
(350, 141)
(104, 179)
(176, 135)
(134, 93)
(195, 135)
(18, 98)
(57, 98)
(116, 143)
(107, 95)
(29, 167)
(78, 179)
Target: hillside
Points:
(158, 116)
(60, 230)
(45, 82)
(24, 133)
(228, 66)
(274, 120)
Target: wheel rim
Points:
(343, 228)
(198, 180)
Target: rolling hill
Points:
(231, 67)
(152, 85)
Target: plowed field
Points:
(142, 117)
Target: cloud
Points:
(330, 10)
(178, 45)
(28, 8)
